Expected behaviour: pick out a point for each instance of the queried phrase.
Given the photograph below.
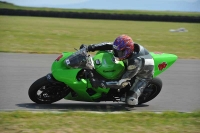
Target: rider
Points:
(138, 63)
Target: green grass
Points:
(55, 35)
(80, 122)
(173, 13)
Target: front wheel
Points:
(44, 92)
(151, 91)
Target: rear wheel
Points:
(151, 91)
(44, 92)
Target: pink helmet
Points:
(123, 47)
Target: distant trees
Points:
(84, 15)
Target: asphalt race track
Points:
(180, 92)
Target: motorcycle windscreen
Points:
(76, 61)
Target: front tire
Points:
(44, 92)
(151, 91)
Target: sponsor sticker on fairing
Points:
(162, 65)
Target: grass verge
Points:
(55, 35)
(79, 122)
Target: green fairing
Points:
(162, 60)
(65, 74)
(106, 67)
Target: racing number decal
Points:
(162, 66)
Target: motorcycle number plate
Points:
(67, 62)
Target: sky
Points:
(155, 5)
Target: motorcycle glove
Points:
(89, 48)
(83, 46)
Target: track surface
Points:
(180, 92)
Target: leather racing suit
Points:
(139, 64)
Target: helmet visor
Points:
(118, 53)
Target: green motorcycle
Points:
(71, 72)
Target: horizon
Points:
(151, 5)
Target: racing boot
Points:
(135, 91)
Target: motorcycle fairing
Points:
(104, 66)
(67, 75)
(162, 61)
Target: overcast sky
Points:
(164, 5)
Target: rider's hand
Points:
(89, 48)
(83, 46)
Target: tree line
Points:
(106, 16)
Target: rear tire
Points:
(44, 92)
(151, 91)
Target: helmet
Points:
(123, 47)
